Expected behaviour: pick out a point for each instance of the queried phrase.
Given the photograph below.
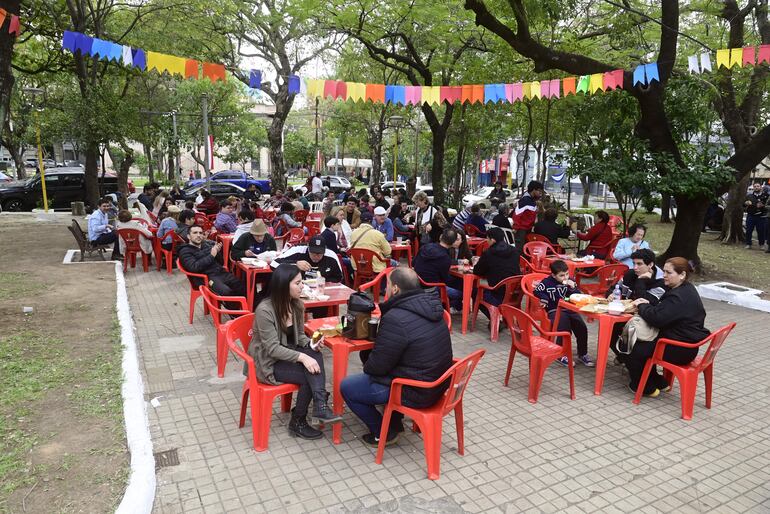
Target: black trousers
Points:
(642, 351)
(572, 322)
(296, 373)
(521, 238)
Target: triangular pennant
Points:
(67, 40)
(191, 69)
(128, 56)
(748, 55)
(293, 84)
(705, 62)
(651, 70)
(568, 85)
(764, 54)
(692, 64)
(736, 54)
(477, 93)
(723, 58)
(639, 77)
(554, 88)
(255, 79)
(583, 84)
(13, 27)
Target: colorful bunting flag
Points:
(526, 88)
(330, 89)
(736, 54)
(414, 95)
(2, 17)
(13, 27)
(450, 94)
(545, 88)
(651, 71)
(375, 93)
(554, 88)
(639, 77)
(583, 84)
(595, 82)
(356, 91)
(128, 56)
(477, 93)
(191, 69)
(535, 88)
(213, 71)
(748, 55)
(723, 58)
(315, 88)
(517, 92)
(294, 84)
(692, 64)
(255, 79)
(171, 64)
(467, 93)
(139, 59)
(764, 54)
(342, 89)
(705, 62)
(568, 85)
(68, 40)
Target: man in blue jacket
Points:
(412, 342)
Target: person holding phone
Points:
(628, 245)
(284, 354)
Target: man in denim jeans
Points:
(412, 342)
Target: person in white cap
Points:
(382, 223)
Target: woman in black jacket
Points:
(679, 315)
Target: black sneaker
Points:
(372, 440)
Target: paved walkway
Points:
(593, 453)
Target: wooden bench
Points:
(84, 244)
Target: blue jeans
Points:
(758, 222)
(361, 395)
(455, 297)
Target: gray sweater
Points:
(268, 342)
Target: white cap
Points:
(379, 211)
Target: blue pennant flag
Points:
(639, 77)
(651, 70)
(293, 84)
(255, 79)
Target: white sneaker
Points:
(452, 310)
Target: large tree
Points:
(516, 26)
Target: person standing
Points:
(317, 186)
(412, 342)
(283, 353)
(525, 215)
(756, 215)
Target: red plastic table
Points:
(574, 266)
(606, 322)
(405, 246)
(474, 241)
(469, 282)
(338, 295)
(251, 278)
(341, 348)
(227, 241)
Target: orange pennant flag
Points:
(477, 93)
(568, 85)
(191, 69)
(2, 16)
(375, 93)
(213, 71)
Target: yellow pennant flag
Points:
(535, 89)
(723, 58)
(315, 88)
(526, 89)
(434, 95)
(163, 62)
(356, 91)
(736, 56)
(595, 82)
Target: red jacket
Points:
(600, 235)
(525, 214)
(209, 206)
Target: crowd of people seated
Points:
(413, 340)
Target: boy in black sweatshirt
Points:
(550, 290)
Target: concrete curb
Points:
(140, 491)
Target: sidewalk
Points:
(593, 453)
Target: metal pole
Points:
(178, 173)
(40, 163)
(416, 150)
(395, 161)
(207, 157)
(317, 154)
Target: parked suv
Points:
(239, 178)
(63, 186)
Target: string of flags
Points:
(643, 75)
(14, 27)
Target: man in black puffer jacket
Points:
(412, 342)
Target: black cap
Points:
(316, 245)
(366, 217)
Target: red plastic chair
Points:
(202, 221)
(363, 260)
(214, 303)
(292, 237)
(268, 216)
(481, 248)
(441, 291)
(313, 228)
(472, 230)
(608, 248)
(261, 395)
(153, 217)
(532, 237)
(614, 223)
(540, 351)
(524, 266)
(194, 290)
(300, 215)
(430, 420)
(376, 284)
(687, 374)
(168, 255)
(512, 296)
(131, 238)
(534, 307)
(315, 216)
(606, 276)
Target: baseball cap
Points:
(380, 211)
(366, 217)
(316, 245)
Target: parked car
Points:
(5, 178)
(335, 183)
(239, 178)
(63, 186)
(219, 190)
(481, 197)
(387, 186)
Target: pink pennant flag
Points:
(618, 78)
(13, 27)
(517, 91)
(764, 54)
(554, 88)
(748, 55)
(608, 81)
(413, 95)
(545, 88)
(509, 93)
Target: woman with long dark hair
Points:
(599, 236)
(283, 353)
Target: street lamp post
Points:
(35, 91)
(396, 122)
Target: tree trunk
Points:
(684, 240)
(92, 174)
(150, 170)
(525, 163)
(437, 172)
(171, 173)
(586, 191)
(6, 73)
(732, 224)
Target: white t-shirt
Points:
(318, 185)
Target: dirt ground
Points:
(62, 441)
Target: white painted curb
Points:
(140, 492)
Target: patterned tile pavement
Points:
(596, 453)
